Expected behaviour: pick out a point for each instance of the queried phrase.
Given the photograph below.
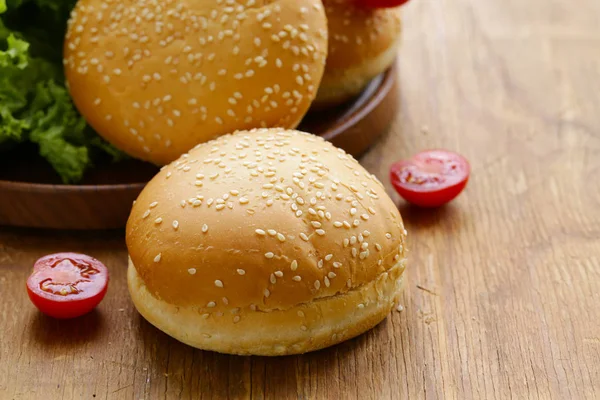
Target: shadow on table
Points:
(425, 218)
(229, 376)
(66, 333)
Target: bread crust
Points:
(362, 44)
(156, 78)
(295, 330)
(259, 222)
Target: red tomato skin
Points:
(72, 305)
(381, 3)
(428, 197)
(48, 305)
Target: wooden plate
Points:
(31, 194)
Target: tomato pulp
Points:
(67, 285)
(381, 3)
(431, 178)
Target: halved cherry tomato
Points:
(431, 178)
(67, 285)
(381, 3)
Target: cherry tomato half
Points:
(381, 3)
(431, 178)
(67, 285)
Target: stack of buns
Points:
(266, 241)
(156, 78)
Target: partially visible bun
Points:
(265, 242)
(362, 44)
(157, 78)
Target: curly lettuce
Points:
(35, 105)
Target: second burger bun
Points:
(157, 78)
(363, 42)
(265, 242)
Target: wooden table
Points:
(503, 293)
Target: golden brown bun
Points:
(155, 79)
(295, 330)
(258, 222)
(362, 44)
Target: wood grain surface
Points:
(503, 291)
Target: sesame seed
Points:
(158, 220)
(281, 237)
(269, 255)
(328, 257)
(211, 304)
(297, 278)
(192, 271)
(337, 264)
(241, 272)
(294, 265)
(204, 228)
(388, 235)
(272, 232)
(175, 224)
(317, 284)
(303, 236)
(320, 232)
(371, 210)
(378, 246)
(218, 283)
(146, 214)
(272, 279)
(260, 232)
(267, 292)
(158, 257)
(278, 274)
(326, 280)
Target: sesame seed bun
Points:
(157, 77)
(362, 44)
(265, 242)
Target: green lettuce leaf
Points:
(35, 105)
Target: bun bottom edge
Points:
(341, 85)
(300, 329)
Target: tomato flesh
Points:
(431, 178)
(67, 285)
(381, 3)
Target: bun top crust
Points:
(265, 219)
(157, 77)
(358, 34)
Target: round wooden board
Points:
(32, 196)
